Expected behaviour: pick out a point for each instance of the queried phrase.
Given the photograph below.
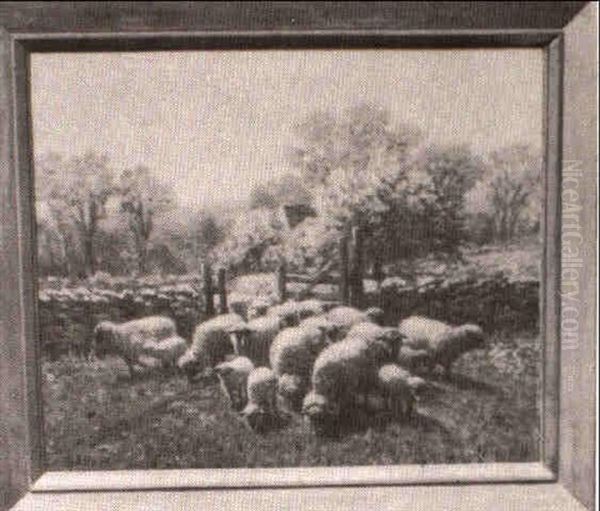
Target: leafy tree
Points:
(289, 188)
(409, 201)
(513, 191)
(75, 192)
(143, 197)
(453, 171)
(249, 239)
(362, 138)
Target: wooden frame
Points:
(563, 479)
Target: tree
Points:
(362, 137)
(514, 177)
(75, 192)
(289, 188)
(453, 171)
(143, 197)
(408, 201)
(250, 236)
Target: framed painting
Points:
(313, 254)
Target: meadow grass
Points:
(97, 418)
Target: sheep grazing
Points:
(127, 340)
(168, 350)
(443, 343)
(233, 377)
(321, 323)
(287, 312)
(398, 387)
(262, 395)
(459, 341)
(341, 372)
(414, 360)
(255, 338)
(346, 372)
(211, 343)
(292, 356)
(239, 304)
(258, 308)
(387, 340)
(291, 388)
(309, 308)
(344, 318)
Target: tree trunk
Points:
(357, 269)
(88, 255)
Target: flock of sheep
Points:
(312, 356)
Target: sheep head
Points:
(190, 364)
(223, 369)
(238, 335)
(472, 337)
(393, 339)
(375, 315)
(316, 406)
(103, 338)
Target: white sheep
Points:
(344, 318)
(262, 396)
(346, 372)
(233, 377)
(211, 343)
(239, 304)
(398, 388)
(387, 337)
(308, 308)
(444, 343)
(258, 308)
(168, 350)
(291, 388)
(292, 356)
(254, 338)
(127, 339)
(287, 312)
(321, 322)
(415, 360)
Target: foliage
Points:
(510, 194)
(250, 236)
(289, 188)
(142, 197)
(75, 193)
(408, 201)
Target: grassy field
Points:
(97, 418)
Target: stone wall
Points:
(493, 302)
(67, 316)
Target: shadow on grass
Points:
(144, 374)
(426, 423)
(357, 420)
(269, 423)
(462, 382)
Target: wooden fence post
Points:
(282, 281)
(222, 291)
(344, 269)
(208, 291)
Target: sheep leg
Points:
(447, 372)
(131, 368)
(408, 407)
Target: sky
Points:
(216, 122)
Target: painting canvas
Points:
(285, 258)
